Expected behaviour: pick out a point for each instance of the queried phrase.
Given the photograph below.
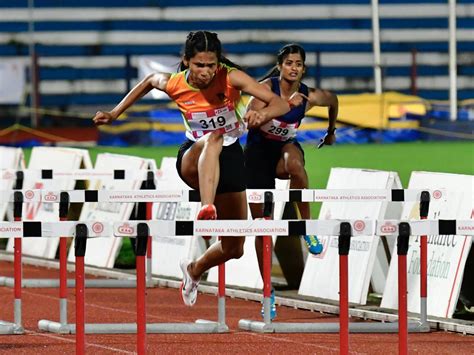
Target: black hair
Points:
(204, 41)
(284, 52)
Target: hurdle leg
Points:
(141, 249)
(221, 316)
(18, 278)
(149, 216)
(402, 249)
(267, 282)
(80, 251)
(424, 208)
(17, 268)
(63, 281)
(344, 246)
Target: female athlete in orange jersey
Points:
(207, 92)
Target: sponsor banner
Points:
(359, 227)
(244, 272)
(426, 227)
(11, 229)
(84, 174)
(56, 229)
(241, 228)
(321, 274)
(143, 196)
(48, 158)
(11, 158)
(12, 85)
(258, 195)
(168, 249)
(102, 252)
(446, 254)
(356, 195)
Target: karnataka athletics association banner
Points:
(447, 254)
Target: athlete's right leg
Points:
(230, 205)
(200, 166)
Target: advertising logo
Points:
(255, 197)
(359, 225)
(50, 196)
(29, 194)
(388, 228)
(98, 227)
(437, 194)
(126, 229)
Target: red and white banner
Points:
(446, 254)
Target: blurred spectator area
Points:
(88, 51)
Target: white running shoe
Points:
(188, 286)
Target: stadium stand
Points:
(88, 50)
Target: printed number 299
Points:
(278, 131)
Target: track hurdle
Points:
(16, 327)
(147, 176)
(344, 326)
(63, 327)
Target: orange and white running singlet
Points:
(216, 108)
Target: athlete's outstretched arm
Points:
(318, 97)
(151, 81)
(274, 106)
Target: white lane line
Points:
(50, 336)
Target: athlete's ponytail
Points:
(281, 56)
(204, 41)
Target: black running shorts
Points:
(232, 170)
(261, 160)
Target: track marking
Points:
(118, 310)
(48, 335)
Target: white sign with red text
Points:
(244, 272)
(169, 250)
(10, 158)
(102, 252)
(321, 273)
(447, 254)
(48, 158)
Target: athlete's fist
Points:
(103, 117)
(254, 119)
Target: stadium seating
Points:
(88, 50)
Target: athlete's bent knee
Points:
(234, 251)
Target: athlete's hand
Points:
(329, 138)
(297, 99)
(254, 119)
(103, 117)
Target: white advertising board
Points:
(102, 252)
(168, 251)
(10, 158)
(49, 158)
(321, 273)
(446, 254)
(12, 81)
(244, 272)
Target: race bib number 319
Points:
(221, 119)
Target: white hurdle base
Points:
(54, 283)
(10, 328)
(201, 326)
(280, 327)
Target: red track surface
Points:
(165, 305)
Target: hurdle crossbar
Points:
(253, 195)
